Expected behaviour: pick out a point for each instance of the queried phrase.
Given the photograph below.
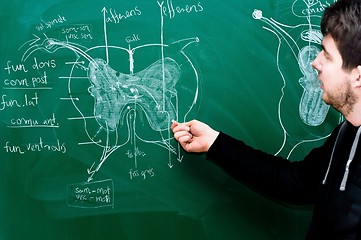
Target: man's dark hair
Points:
(342, 21)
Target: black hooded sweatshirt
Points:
(325, 177)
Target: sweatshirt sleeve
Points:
(279, 178)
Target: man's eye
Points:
(327, 56)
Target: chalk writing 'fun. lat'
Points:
(26, 100)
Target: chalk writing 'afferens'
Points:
(114, 16)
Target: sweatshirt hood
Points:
(350, 157)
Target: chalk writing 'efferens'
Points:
(170, 10)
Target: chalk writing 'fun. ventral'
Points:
(39, 146)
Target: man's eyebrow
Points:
(323, 47)
(325, 50)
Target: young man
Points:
(330, 176)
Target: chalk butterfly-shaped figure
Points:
(312, 109)
(151, 89)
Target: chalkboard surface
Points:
(88, 93)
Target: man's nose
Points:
(316, 63)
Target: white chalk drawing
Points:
(312, 109)
(120, 97)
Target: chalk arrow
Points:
(89, 179)
(90, 170)
(180, 158)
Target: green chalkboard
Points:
(88, 92)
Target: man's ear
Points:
(356, 76)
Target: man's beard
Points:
(341, 101)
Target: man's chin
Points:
(324, 99)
